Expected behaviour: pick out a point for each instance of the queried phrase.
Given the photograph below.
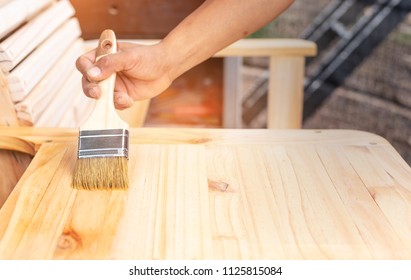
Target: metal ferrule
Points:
(103, 143)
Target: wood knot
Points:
(217, 186)
(199, 140)
(69, 240)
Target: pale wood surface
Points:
(270, 47)
(215, 194)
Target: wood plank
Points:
(14, 13)
(238, 208)
(61, 102)
(13, 163)
(82, 108)
(285, 92)
(292, 203)
(24, 77)
(39, 99)
(166, 212)
(29, 214)
(22, 42)
(38, 136)
(8, 116)
(370, 220)
(182, 229)
(269, 47)
(387, 180)
(89, 232)
(332, 227)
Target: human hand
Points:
(142, 72)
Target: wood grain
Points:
(61, 103)
(51, 88)
(218, 194)
(285, 92)
(24, 40)
(8, 116)
(30, 215)
(37, 136)
(13, 162)
(27, 74)
(14, 13)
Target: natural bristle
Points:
(103, 173)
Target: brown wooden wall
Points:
(135, 19)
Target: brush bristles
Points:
(103, 173)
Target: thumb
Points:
(107, 65)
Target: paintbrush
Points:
(102, 160)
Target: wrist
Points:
(173, 58)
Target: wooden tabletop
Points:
(214, 194)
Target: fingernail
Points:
(122, 102)
(93, 72)
(92, 92)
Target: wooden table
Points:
(214, 194)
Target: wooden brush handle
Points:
(104, 115)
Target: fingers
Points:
(109, 64)
(85, 62)
(90, 89)
(93, 72)
(96, 71)
(122, 100)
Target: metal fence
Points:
(376, 95)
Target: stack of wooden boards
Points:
(39, 43)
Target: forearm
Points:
(215, 25)
(144, 71)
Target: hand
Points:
(142, 72)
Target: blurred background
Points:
(360, 78)
(370, 92)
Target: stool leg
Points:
(285, 93)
